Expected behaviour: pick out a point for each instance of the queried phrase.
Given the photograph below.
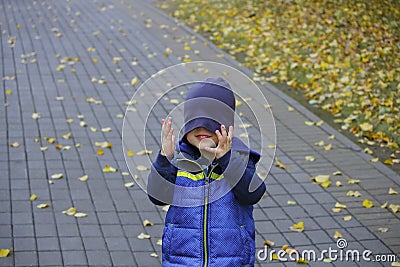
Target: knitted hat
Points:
(209, 104)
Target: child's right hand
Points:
(168, 140)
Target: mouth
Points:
(202, 136)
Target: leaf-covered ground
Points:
(342, 55)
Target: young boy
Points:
(206, 179)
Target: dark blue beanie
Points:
(209, 104)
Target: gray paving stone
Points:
(26, 258)
(50, 258)
(48, 244)
(98, 258)
(24, 244)
(94, 243)
(122, 258)
(74, 258)
(71, 243)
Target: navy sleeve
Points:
(240, 170)
(161, 180)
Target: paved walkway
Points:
(63, 59)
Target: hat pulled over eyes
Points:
(209, 104)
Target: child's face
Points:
(201, 137)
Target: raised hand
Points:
(224, 142)
(168, 139)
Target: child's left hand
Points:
(224, 142)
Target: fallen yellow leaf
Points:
(57, 176)
(326, 184)
(389, 161)
(147, 223)
(301, 261)
(278, 163)
(71, 211)
(366, 127)
(15, 145)
(274, 257)
(80, 215)
(337, 235)
(352, 193)
(35, 116)
(310, 158)
(269, 243)
(84, 178)
(143, 236)
(129, 184)
(67, 135)
(340, 205)
(298, 227)
(328, 147)
(103, 144)
(336, 210)
(353, 181)
(323, 180)
(367, 203)
(394, 208)
(42, 206)
(347, 218)
(392, 191)
(383, 229)
(108, 168)
(368, 151)
(374, 159)
(4, 253)
(320, 143)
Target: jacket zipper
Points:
(206, 206)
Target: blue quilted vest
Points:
(218, 232)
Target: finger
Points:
(171, 131)
(230, 133)
(211, 149)
(223, 131)
(166, 127)
(220, 137)
(224, 134)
